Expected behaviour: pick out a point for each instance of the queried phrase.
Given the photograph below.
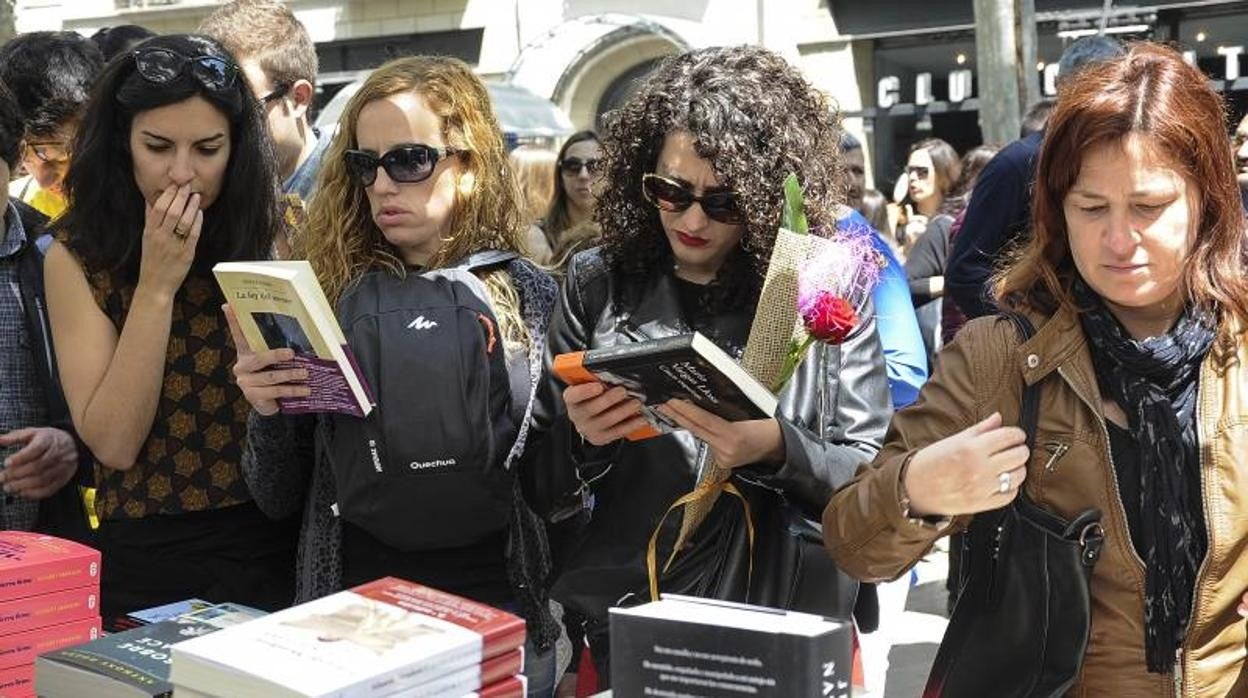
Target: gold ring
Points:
(179, 233)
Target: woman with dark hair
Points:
(925, 265)
(1136, 276)
(932, 170)
(172, 173)
(572, 208)
(692, 200)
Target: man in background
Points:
(999, 212)
(39, 456)
(279, 60)
(50, 76)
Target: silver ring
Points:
(1003, 483)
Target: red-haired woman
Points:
(1137, 282)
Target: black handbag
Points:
(1022, 619)
(757, 547)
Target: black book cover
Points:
(688, 367)
(679, 657)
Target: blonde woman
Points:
(414, 182)
(533, 170)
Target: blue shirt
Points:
(303, 180)
(905, 355)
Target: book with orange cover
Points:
(32, 563)
(18, 682)
(41, 610)
(17, 649)
(686, 367)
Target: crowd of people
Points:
(135, 416)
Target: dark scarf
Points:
(1155, 382)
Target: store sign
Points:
(961, 82)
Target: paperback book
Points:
(131, 664)
(53, 608)
(22, 648)
(281, 305)
(687, 646)
(31, 564)
(377, 639)
(686, 367)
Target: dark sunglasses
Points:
(277, 93)
(406, 164)
(918, 172)
(674, 197)
(161, 65)
(573, 166)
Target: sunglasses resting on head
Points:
(161, 65)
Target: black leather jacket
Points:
(833, 415)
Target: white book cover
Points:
(341, 645)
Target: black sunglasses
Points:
(161, 65)
(406, 164)
(674, 197)
(573, 166)
(277, 93)
(918, 172)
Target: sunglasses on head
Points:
(918, 172)
(673, 196)
(573, 166)
(406, 164)
(162, 65)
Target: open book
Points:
(281, 305)
(686, 367)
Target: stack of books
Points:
(385, 638)
(680, 645)
(133, 663)
(49, 599)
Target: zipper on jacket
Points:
(1056, 450)
(1178, 672)
(1201, 438)
(1113, 473)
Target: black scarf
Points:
(1155, 382)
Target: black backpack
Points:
(424, 470)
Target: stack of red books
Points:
(49, 599)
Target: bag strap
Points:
(1029, 413)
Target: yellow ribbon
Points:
(698, 493)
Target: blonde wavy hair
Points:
(340, 239)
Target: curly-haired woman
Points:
(171, 174)
(414, 182)
(690, 210)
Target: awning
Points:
(520, 113)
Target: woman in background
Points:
(932, 170)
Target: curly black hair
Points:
(755, 119)
(50, 74)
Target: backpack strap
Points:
(484, 258)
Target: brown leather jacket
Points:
(1069, 471)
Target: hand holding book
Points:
(261, 384)
(603, 414)
(733, 444)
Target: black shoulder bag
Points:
(1021, 624)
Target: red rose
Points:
(828, 317)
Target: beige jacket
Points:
(1069, 471)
